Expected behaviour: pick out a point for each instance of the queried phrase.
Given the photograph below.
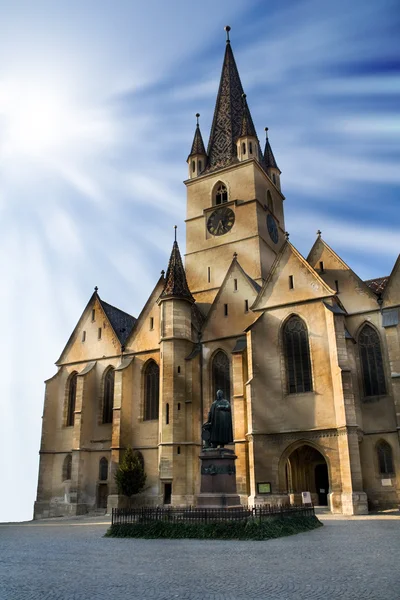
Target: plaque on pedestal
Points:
(218, 479)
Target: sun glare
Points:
(36, 120)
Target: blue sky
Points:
(97, 105)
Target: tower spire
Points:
(175, 280)
(228, 114)
(197, 158)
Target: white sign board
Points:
(306, 497)
(386, 482)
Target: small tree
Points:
(130, 476)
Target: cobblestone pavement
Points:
(70, 560)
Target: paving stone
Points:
(70, 560)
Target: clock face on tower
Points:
(220, 221)
(272, 229)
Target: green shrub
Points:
(130, 476)
(251, 529)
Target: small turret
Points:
(273, 170)
(197, 158)
(247, 142)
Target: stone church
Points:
(306, 352)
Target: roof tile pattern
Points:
(175, 280)
(121, 322)
(269, 157)
(198, 144)
(378, 284)
(227, 122)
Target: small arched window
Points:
(250, 147)
(297, 356)
(270, 204)
(108, 398)
(200, 166)
(220, 375)
(244, 148)
(151, 391)
(274, 178)
(67, 468)
(103, 469)
(385, 458)
(193, 166)
(221, 194)
(371, 362)
(71, 400)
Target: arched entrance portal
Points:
(307, 471)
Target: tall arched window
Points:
(385, 458)
(371, 362)
(220, 375)
(297, 356)
(67, 468)
(151, 391)
(108, 398)
(71, 400)
(221, 194)
(103, 469)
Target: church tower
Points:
(234, 201)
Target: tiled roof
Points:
(198, 144)
(269, 157)
(121, 322)
(228, 116)
(378, 284)
(175, 280)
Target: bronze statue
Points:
(218, 429)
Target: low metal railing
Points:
(174, 514)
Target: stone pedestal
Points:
(218, 479)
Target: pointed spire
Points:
(175, 281)
(247, 127)
(198, 144)
(228, 115)
(269, 157)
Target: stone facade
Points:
(308, 353)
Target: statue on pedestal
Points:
(217, 431)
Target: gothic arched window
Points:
(67, 468)
(108, 398)
(151, 391)
(297, 356)
(221, 194)
(220, 375)
(371, 362)
(103, 469)
(385, 458)
(71, 400)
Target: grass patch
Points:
(250, 529)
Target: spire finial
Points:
(266, 132)
(287, 235)
(162, 273)
(235, 255)
(197, 119)
(319, 233)
(227, 29)
(175, 227)
(96, 289)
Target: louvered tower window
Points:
(220, 375)
(371, 362)
(103, 469)
(297, 356)
(67, 468)
(108, 399)
(71, 400)
(385, 458)
(221, 194)
(151, 391)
